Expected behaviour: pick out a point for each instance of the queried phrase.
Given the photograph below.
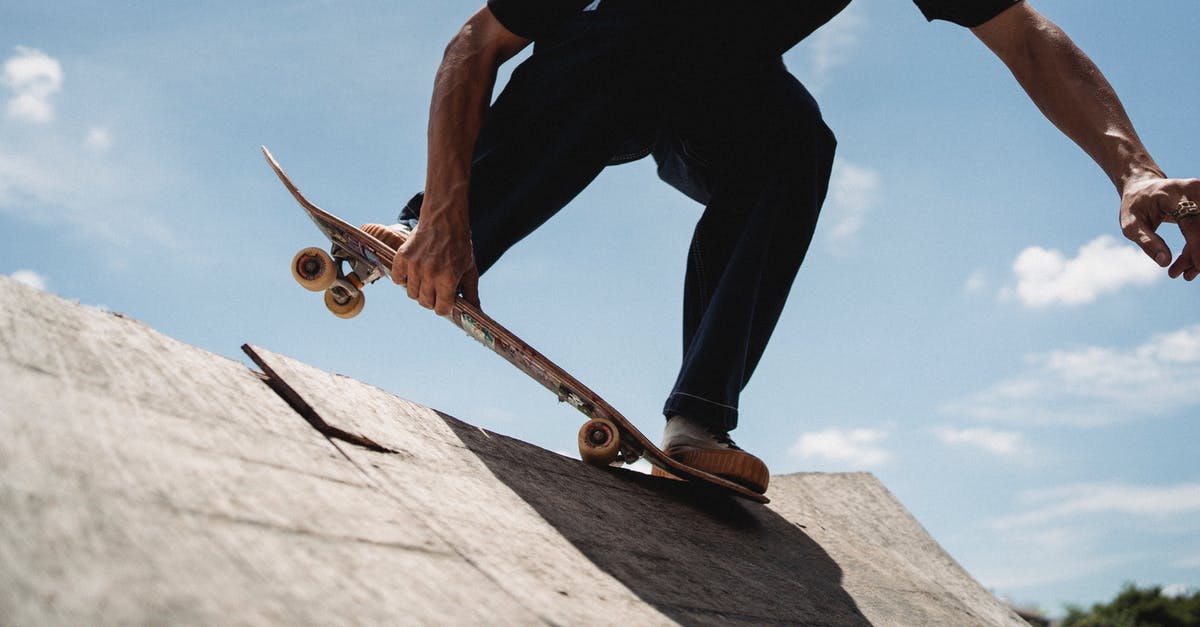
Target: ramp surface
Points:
(147, 481)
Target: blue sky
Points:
(970, 325)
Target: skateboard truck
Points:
(317, 270)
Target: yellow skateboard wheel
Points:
(599, 442)
(313, 269)
(344, 306)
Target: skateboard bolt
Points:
(599, 435)
(341, 295)
(310, 266)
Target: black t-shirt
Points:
(967, 13)
(787, 21)
(532, 18)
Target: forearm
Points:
(1074, 95)
(461, 93)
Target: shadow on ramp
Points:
(691, 556)
(694, 555)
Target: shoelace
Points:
(722, 438)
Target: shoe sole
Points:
(737, 466)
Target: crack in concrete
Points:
(276, 383)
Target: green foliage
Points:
(1139, 607)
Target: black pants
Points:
(741, 136)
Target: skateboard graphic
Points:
(357, 259)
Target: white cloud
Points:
(30, 278)
(857, 448)
(1002, 443)
(1022, 565)
(1071, 532)
(47, 180)
(61, 177)
(98, 139)
(1095, 385)
(19, 176)
(1187, 561)
(1090, 500)
(34, 78)
(1174, 590)
(833, 45)
(976, 283)
(854, 191)
(1102, 266)
(68, 189)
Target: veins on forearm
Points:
(461, 92)
(1074, 95)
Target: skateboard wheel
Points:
(343, 302)
(599, 442)
(313, 269)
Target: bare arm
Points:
(1074, 95)
(437, 259)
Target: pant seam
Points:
(701, 278)
(701, 398)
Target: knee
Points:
(824, 141)
(809, 127)
(806, 152)
(797, 114)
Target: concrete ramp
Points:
(143, 480)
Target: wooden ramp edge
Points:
(144, 480)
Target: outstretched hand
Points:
(435, 264)
(1148, 203)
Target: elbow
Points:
(464, 45)
(1045, 48)
(477, 46)
(1023, 39)
(484, 41)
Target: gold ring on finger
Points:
(1186, 209)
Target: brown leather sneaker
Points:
(387, 234)
(713, 452)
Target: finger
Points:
(1190, 227)
(1191, 274)
(1178, 268)
(399, 271)
(428, 294)
(444, 300)
(470, 286)
(1154, 246)
(1183, 264)
(414, 287)
(1163, 209)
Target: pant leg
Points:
(759, 157)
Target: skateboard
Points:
(357, 259)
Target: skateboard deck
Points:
(606, 437)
